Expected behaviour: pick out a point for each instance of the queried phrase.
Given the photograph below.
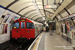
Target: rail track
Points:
(19, 46)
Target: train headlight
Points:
(14, 27)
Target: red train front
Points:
(23, 28)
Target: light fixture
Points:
(43, 18)
(33, 1)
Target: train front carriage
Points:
(23, 28)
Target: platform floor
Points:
(51, 42)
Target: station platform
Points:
(45, 41)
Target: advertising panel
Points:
(4, 28)
(69, 28)
(63, 26)
(14, 18)
(6, 17)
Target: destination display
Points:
(22, 20)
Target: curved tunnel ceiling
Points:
(31, 14)
(27, 8)
(24, 8)
(34, 15)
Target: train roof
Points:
(23, 19)
(36, 22)
(28, 21)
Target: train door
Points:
(30, 30)
(23, 31)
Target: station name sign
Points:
(48, 18)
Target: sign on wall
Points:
(4, 28)
(50, 6)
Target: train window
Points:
(30, 26)
(22, 24)
(16, 25)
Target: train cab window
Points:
(16, 25)
(30, 26)
(22, 24)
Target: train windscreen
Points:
(22, 24)
(30, 26)
(15, 25)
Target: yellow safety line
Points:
(36, 42)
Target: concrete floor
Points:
(51, 42)
(56, 42)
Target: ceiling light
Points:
(43, 18)
(33, 1)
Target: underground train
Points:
(25, 29)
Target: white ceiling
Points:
(30, 7)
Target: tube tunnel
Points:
(42, 24)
